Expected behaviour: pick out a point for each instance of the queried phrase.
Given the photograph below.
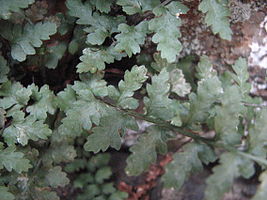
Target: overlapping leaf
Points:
(94, 59)
(56, 177)
(109, 132)
(137, 6)
(133, 81)
(5, 194)
(25, 39)
(241, 75)
(186, 163)
(201, 103)
(262, 189)
(178, 83)
(83, 11)
(227, 118)
(131, 37)
(258, 135)
(231, 166)
(144, 152)
(167, 36)
(55, 54)
(7, 7)
(44, 102)
(86, 110)
(102, 5)
(14, 94)
(12, 160)
(25, 130)
(102, 26)
(217, 15)
(158, 104)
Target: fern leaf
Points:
(56, 177)
(227, 118)
(25, 39)
(258, 135)
(12, 160)
(7, 7)
(217, 15)
(109, 132)
(167, 36)
(159, 104)
(144, 152)
(102, 5)
(5, 194)
(137, 6)
(241, 75)
(25, 130)
(231, 166)
(185, 163)
(262, 189)
(133, 81)
(43, 102)
(130, 38)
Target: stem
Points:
(209, 141)
(160, 123)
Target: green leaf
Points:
(208, 92)
(109, 132)
(241, 75)
(25, 39)
(227, 118)
(26, 130)
(166, 38)
(102, 5)
(101, 27)
(55, 53)
(131, 37)
(258, 134)
(44, 195)
(262, 189)
(65, 98)
(7, 7)
(217, 15)
(14, 93)
(12, 160)
(83, 11)
(158, 104)
(102, 174)
(133, 81)
(44, 102)
(5, 194)
(4, 69)
(137, 6)
(58, 153)
(144, 152)
(98, 161)
(204, 69)
(94, 60)
(118, 195)
(57, 178)
(178, 83)
(185, 163)
(220, 182)
(81, 117)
